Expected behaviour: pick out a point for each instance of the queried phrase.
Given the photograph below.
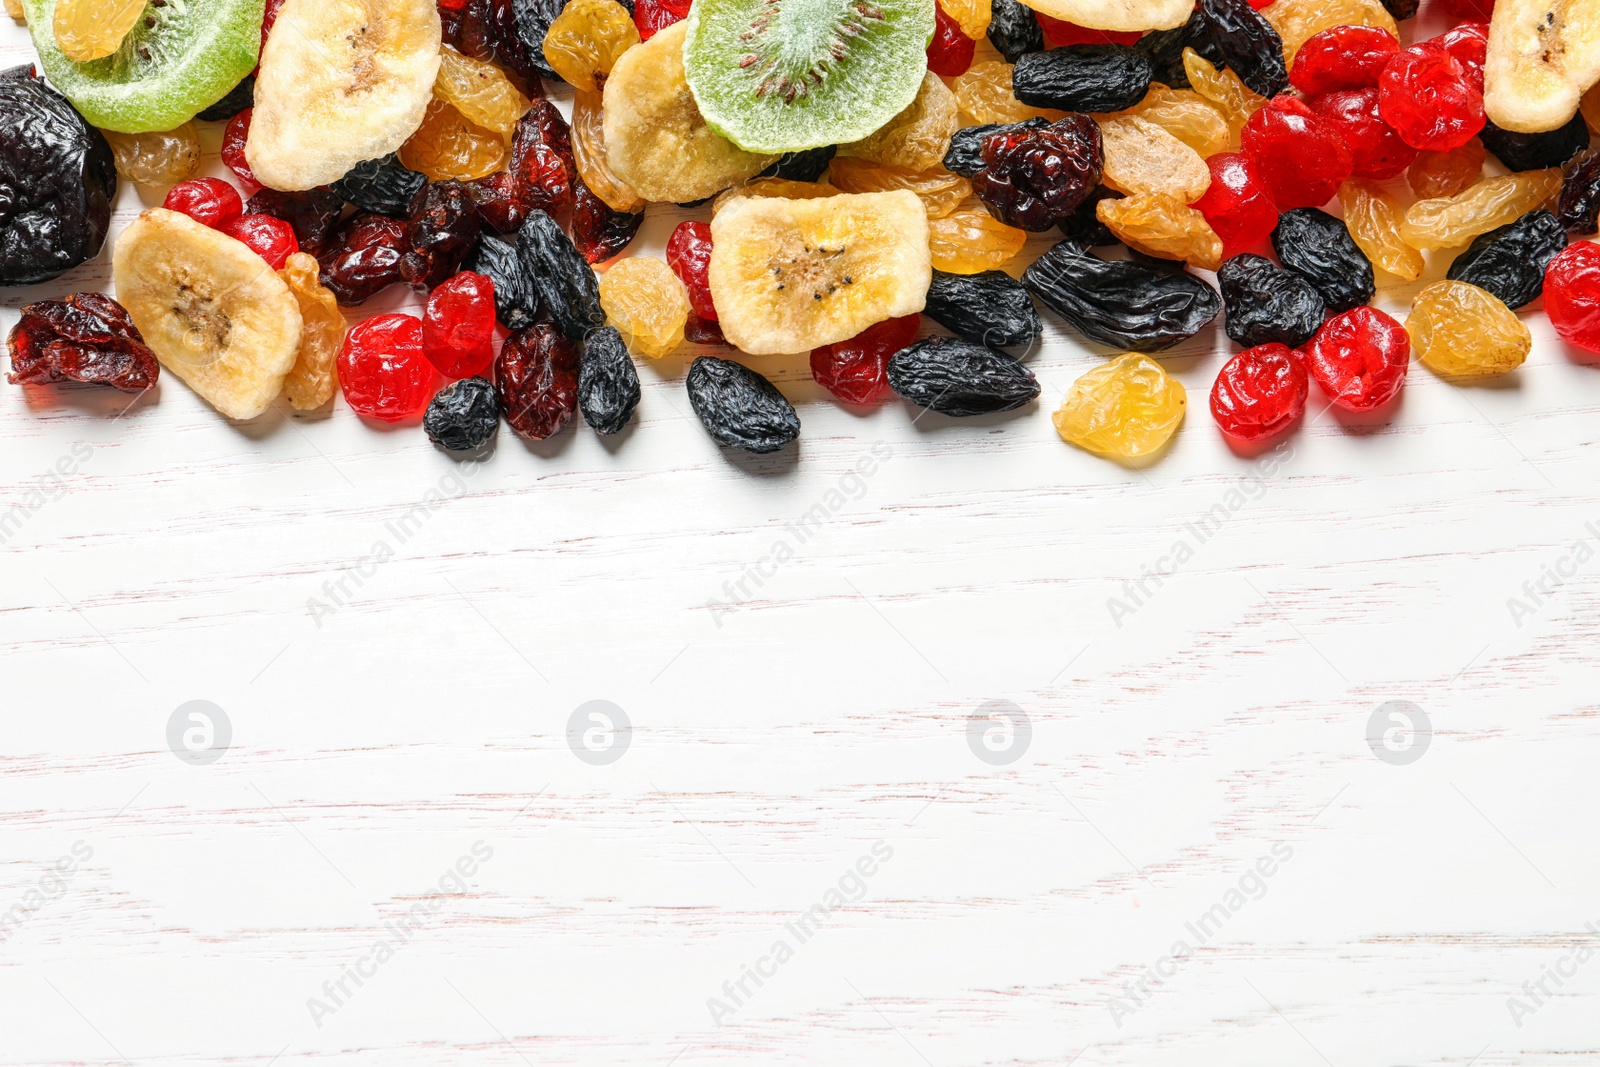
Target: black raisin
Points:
(1164, 50)
(965, 154)
(959, 378)
(516, 301)
(608, 382)
(806, 166)
(1265, 303)
(599, 231)
(567, 287)
(488, 29)
(313, 214)
(1536, 151)
(239, 97)
(1510, 261)
(990, 307)
(1084, 77)
(383, 186)
(443, 229)
(1402, 9)
(1579, 207)
(57, 182)
(1084, 227)
(1318, 247)
(1249, 45)
(1121, 303)
(1014, 30)
(465, 415)
(739, 408)
(533, 19)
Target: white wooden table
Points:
(394, 643)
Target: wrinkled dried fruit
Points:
(1164, 227)
(1084, 228)
(919, 136)
(1510, 261)
(1188, 116)
(270, 238)
(1450, 221)
(1426, 95)
(984, 93)
(322, 330)
(1373, 218)
(598, 232)
(989, 308)
(1318, 247)
(856, 371)
(1249, 44)
(608, 382)
(739, 408)
(1014, 30)
(950, 52)
(1223, 88)
(940, 191)
(480, 91)
(536, 377)
(442, 230)
(1127, 408)
(383, 371)
(1266, 304)
(647, 304)
(458, 326)
(1084, 77)
(689, 256)
(1141, 157)
(567, 287)
(312, 215)
(1579, 206)
(209, 201)
(969, 240)
(449, 147)
(653, 16)
(959, 378)
(156, 158)
(1122, 303)
(1165, 48)
(464, 416)
(1462, 331)
(1572, 295)
(1299, 157)
(383, 186)
(1297, 21)
(586, 40)
(965, 155)
(1535, 151)
(1440, 174)
(87, 29)
(1359, 358)
(1260, 392)
(589, 153)
(87, 337)
(1034, 178)
(973, 16)
(805, 166)
(363, 256)
(234, 137)
(516, 301)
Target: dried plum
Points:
(516, 301)
(362, 256)
(598, 231)
(990, 308)
(443, 228)
(1510, 261)
(463, 416)
(312, 214)
(1579, 206)
(85, 338)
(1265, 303)
(1121, 303)
(1250, 47)
(58, 181)
(608, 382)
(383, 186)
(1536, 151)
(567, 287)
(1084, 77)
(239, 97)
(1164, 50)
(536, 377)
(1014, 30)
(739, 408)
(1319, 248)
(965, 155)
(806, 166)
(959, 378)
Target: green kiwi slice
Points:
(787, 75)
(181, 57)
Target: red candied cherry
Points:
(1469, 43)
(458, 326)
(857, 371)
(1429, 99)
(1260, 392)
(269, 237)
(211, 201)
(652, 16)
(383, 371)
(689, 256)
(1344, 57)
(1479, 10)
(1058, 33)
(1572, 295)
(1376, 150)
(950, 52)
(1359, 358)
(233, 139)
(1237, 205)
(1299, 158)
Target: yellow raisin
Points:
(1126, 409)
(94, 29)
(311, 380)
(970, 240)
(589, 152)
(919, 136)
(1297, 21)
(1461, 331)
(1162, 226)
(447, 146)
(647, 304)
(156, 158)
(1223, 88)
(1188, 116)
(984, 95)
(971, 15)
(780, 187)
(587, 39)
(14, 9)
(1373, 218)
(1436, 174)
(1493, 202)
(941, 191)
(480, 91)
(1141, 157)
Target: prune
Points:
(857, 371)
(965, 155)
(362, 256)
(443, 228)
(960, 378)
(1510, 262)
(599, 232)
(58, 179)
(1260, 392)
(1359, 358)
(1300, 158)
(1536, 151)
(1578, 209)
(950, 52)
(1462, 331)
(1319, 248)
(1376, 150)
(806, 166)
(990, 308)
(1266, 304)
(567, 286)
(739, 408)
(516, 301)
(1127, 408)
(1121, 303)
(312, 214)
(1237, 203)
(239, 97)
(1428, 97)
(465, 415)
(383, 186)
(1084, 227)
(1249, 45)
(1164, 49)
(1014, 30)
(1085, 77)
(608, 382)
(1034, 178)
(1572, 295)
(536, 377)
(85, 338)
(1343, 57)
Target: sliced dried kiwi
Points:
(786, 75)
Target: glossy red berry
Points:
(383, 371)
(268, 17)
(1572, 295)
(857, 371)
(1059, 33)
(1469, 43)
(652, 16)
(458, 326)
(1237, 205)
(689, 256)
(1344, 57)
(1299, 158)
(1376, 150)
(950, 52)
(270, 238)
(211, 201)
(1260, 392)
(233, 139)
(1359, 358)
(1429, 99)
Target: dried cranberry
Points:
(233, 139)
(536, 376)
(87, 337)
(1344, 57)
(857, 371)
(210, 201)
(1260, 392)
(1359, 358)
(488, 29)
(1572, 295)
(363, 256)
(443, 227)
(269, 16)
(950, 52)
(1376, 150)
(1469, 43)
(382, 368)
(698, 331)
(540, 176)
(600, 232)
(313, 214)
(544, 124)
(652, 16)
(689, 256)
(458, 326)
(270, 238)
(1298, 157)
(1237, 204)
(1059, 33)
(1429, 99)
(1035, 178)
(1479, 10)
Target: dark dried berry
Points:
(1084, 77)
(239, 98)
(698, 331)
(536, 377)
(516, 301)
(567, 286)
(1402, 9)
(312, 214)
(465, 415)
(1084, 227)
(806, 166)
(1510, 261)
(739, 408)
(1318, 247)
(85, 338)
(990, 307)
(540, 176)
(600, 232)
(1250, 47)
(608, 382)
(544, 124)
(487, 29)
(1014, 30)
(1579, 207)
(57, 182)
(383, 186)
(1265, 303)
(1121, 303)
(1164, 50)
(1034, 178)
(533, 19)
(965, 154)
(362, 256)
(1536, 151)
(959, 378)
(443, 228)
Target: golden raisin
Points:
(647, 304)
(969, 240)
(587, 39)
(589, 152)
(1461, 331)
(919, 136)
(1188, 116)
(1436, 174)
(1493, 202)
(447, 146)
(93, 29)
(1141, 157)
(1297, 21)
(156, 158)
(1373, 218)
(1128, 408)
(941, 191)
(984, 94)
(971, 15)
(1223, 88)
(310, 382)
(1162, 226)
(480, 91)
